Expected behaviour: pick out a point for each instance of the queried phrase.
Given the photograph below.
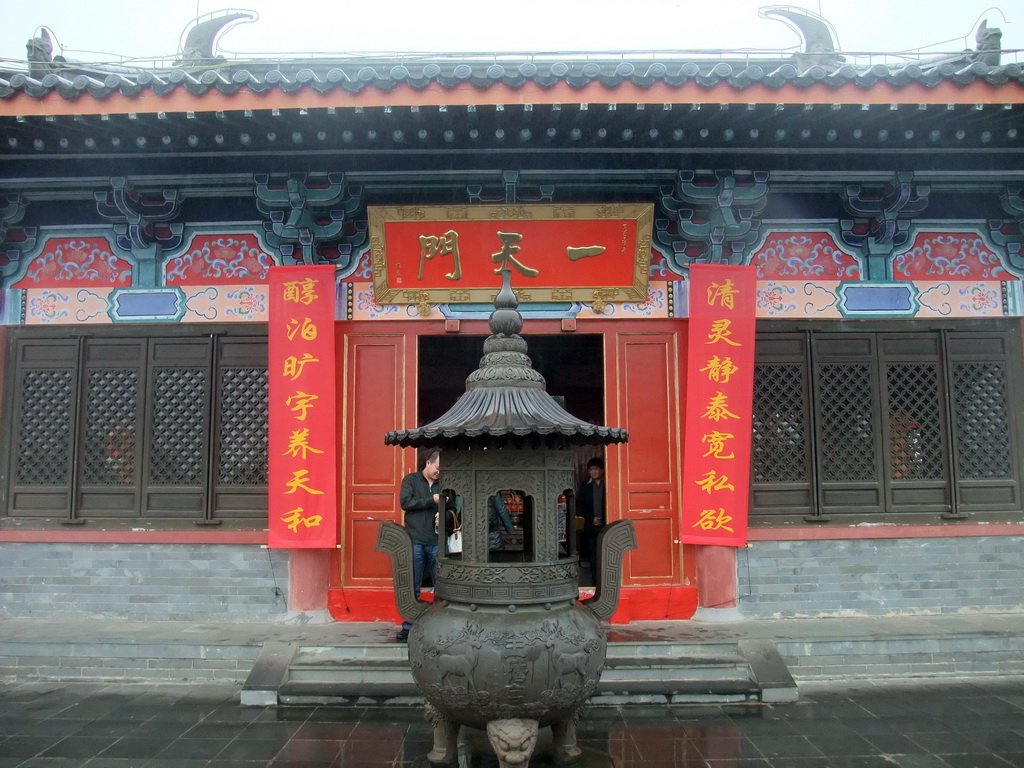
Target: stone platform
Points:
(307, 659)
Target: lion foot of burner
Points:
(513, 740)
(445, 751)
(563, 735)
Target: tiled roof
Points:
(358, 76)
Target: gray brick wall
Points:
(881, 577)
(143, 581)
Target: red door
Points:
(377, 387)
(644, 394)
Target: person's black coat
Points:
(585, 509)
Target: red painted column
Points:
(308, 579)
(717, 582)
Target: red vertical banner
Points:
(303, 496)
(719, 405)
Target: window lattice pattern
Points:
(242, 441)
(111, 415)
(915, 429)
(44, 444)
(847, 423)
(779, 448)
(179, 409)
(983, 431)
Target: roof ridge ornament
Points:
(200, 46)
(816, 33)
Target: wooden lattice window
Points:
(137, 427)
(886, 422)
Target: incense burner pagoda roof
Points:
(506, 402)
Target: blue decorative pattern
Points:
(878, 300)
(126, 305)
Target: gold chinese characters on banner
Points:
(719, 398)
(302, 414)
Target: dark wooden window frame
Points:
(135, 424)
(864, 421)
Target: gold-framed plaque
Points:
(593, 253)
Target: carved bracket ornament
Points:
(882, 218)
(15, 242)
(1009, 233)
(511, 193)
(312, 220)
(424, 255)
(710, 218)
(140, 221)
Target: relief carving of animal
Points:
(461, 664)
(569, 663)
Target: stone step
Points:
(119, 661)
(345, 675)
(956, 654)
(817, 650)
(672, 655)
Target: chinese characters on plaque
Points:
(302, 414)
(719, 403)
(445, 254)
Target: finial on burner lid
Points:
(505, 319)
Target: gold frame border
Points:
(641, 213)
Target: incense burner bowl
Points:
(477, 664)
(509, 648)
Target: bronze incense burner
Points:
(507, 646)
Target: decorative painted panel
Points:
(363, 272)
(832, 299)
(73, 262)
(360, 304)
(221, 278)
(795, 255)
(222, 303)
(219, 260)
(965, 299)
(949, 256)
(226, 303)
(943, 274)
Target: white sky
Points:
(103, 30)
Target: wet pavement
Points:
(964, 723)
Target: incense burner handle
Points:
(394, 541)
(613, 542)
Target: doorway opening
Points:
(572, 366)
(573, 369)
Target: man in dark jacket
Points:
(497, 518)
(419, 499)
(590, 505)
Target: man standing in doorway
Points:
(419, 499)
(590, 505)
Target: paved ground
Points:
(976, 723)
(319, 629)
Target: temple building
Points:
(186, 435)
